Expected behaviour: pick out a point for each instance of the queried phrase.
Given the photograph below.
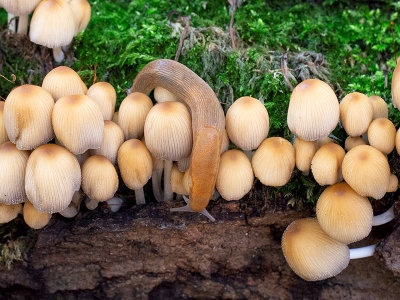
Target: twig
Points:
(284, 69)
(94, 70)
(232, 31)
(394, 47)
(183, 35)
(14, 78)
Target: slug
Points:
(208, 121)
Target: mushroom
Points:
(115, 204)
(177, 181)
(305, 151)
(156, 176)
(81, 11)
(78, 123)
(274, 161)
(313, 110)
(163, 95)
(53, 26)
(398, 141)
(105, 97)
(3, 132)
(247, 123)
(21, 9)
(52, 177)
(382, 135)
(33, 217)
(367, 171)
(73, 208)
(393, 184)
(27, 116)
(379, 107)
(352, 142)
(396, 87)
(9, 212)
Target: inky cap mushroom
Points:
(3, 132)
(305, 151)
(379, 107)
(352, 142)
(105, 96)
(9, 212)
(34, 218)
(382, 135)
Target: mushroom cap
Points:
(132, 114)
(274, 161)
(177, 181)
(225, 142)
(99, 178)
(27, 116)
(163, 95)
(81, 11)
(305, 151)
(311, 253)
(135, 163)
(9, 212)
(398, 141)
(19, 7)
(382, 135)
(235, 176)
(52, 177)
(12, 173)
(367, 171)
(393, 183)
(352, 142)
(325, 140)
(3, 132)
(396, 87)
(112, 139)
(34, 218)
(343, 214)
(52, 24)
(78, 123)
(379, 107)
(168, 131)
(247, 123)
(313, 110)
(73, 208)
(326, 164)
(356, 112)
(105, 97)
(63, 81)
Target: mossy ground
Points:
(345, 43)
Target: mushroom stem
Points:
(156, 183)
(114, 204)
(91, 204)
(187, 208)
(249, 154)
(168, 194)
(384, 218)
(12, 24)
(362, 252)
(23, 25)
(139, 195)
(58, 54)
(66, 47)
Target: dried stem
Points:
(285, 71)
(232, 31)
(14, 78)
(183, 35)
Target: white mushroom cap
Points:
(19, 7)
(163, 95)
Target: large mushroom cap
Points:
(356, 112)
(52, 24)
(27, 116)
(105, 97)
(382, 135)
(52, 177)
(311, 253)
(247, 123)
(367, 171)
(3, 132)
(63, 81)
(343, 214)
(313, 110)
(19, 7)
(78, 123)
(274, 161)
(379, 107)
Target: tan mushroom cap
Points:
(19, 7)
(3, 132)
(343, 214)
(105, 97)
(81, 11)
(352, 142)
(382, 135)
(12, 173)
(135, 164)
(398, 141)
(393, 183)
(274, 161)
(168, 131)
(326, 164)
(311, 253)
(177, 181)
(313, 110)
(112, 139)
(27, 116)
(9, 212)
(305, 151)
(379, 107)
(367, 171)
(52, 177)
(396, 87)
(132, 115)
(63, 81)
(52, 24)
(356, 112)
(78, 123)
(99, 178)
(247, 123)
(235, 176)
(34, 218)
(163, 95)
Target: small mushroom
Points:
(9, 212)
(105, 97)
(163, 95)
(3, 132)
(73, 208)
(393, 183)
(352, 142)
(379, 107)
(81, 11)
(305, 151)
(382, 135)
(396, 87)
(34, 218)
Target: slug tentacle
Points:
(187, 208)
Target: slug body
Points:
(208, 121)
